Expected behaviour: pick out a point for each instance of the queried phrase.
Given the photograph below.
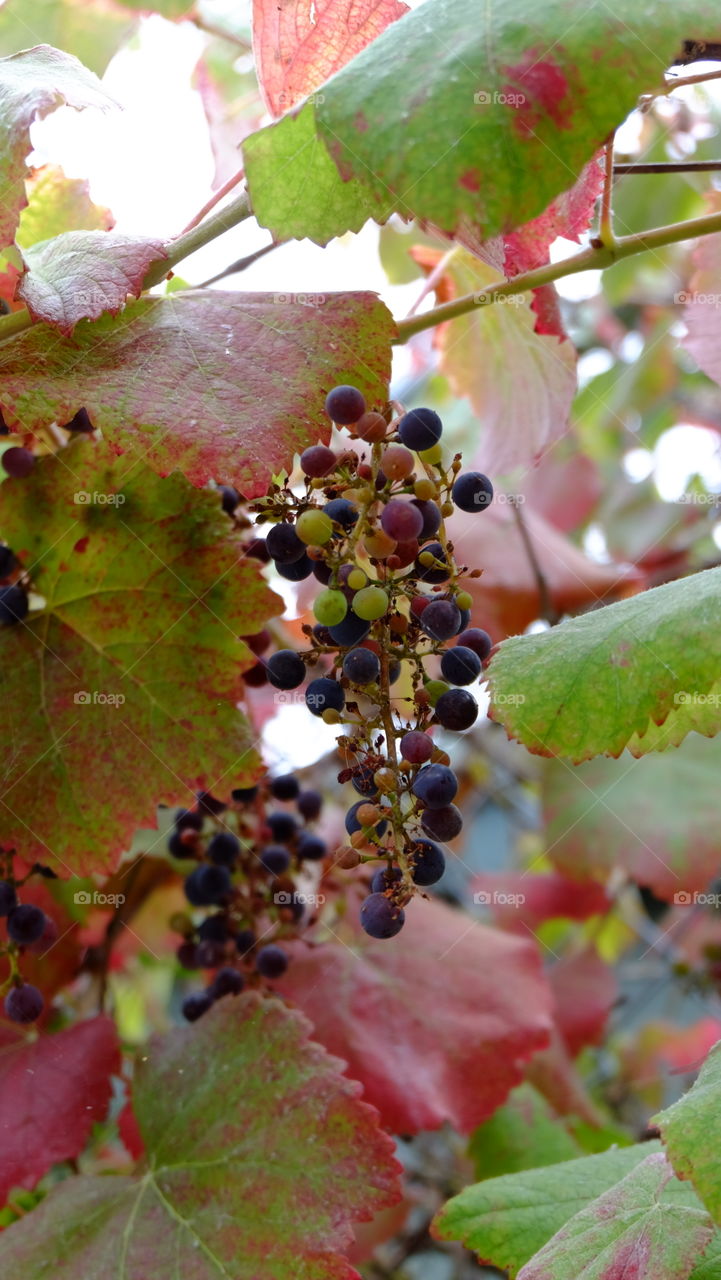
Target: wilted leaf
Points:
(81, 274)
(259, 1157)
(690, 1131)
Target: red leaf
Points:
(52, 1092)
(129, 1131)
(423, 1021)
(298, 46)
(542, 897)
(585, 991)
(568, 215)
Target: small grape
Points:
(440, 619)
(317, 461)
(13, 605)
(429, 863)
(284, 544)
(282, 826)
(309, 804)
(298, 570)
(244, 795)
(479, 641)
(26, 924)
(207, 886)
(330, 607)
(397, 462)
(314, 527)
(244, 941)
(194, 1006)
(311, 848)
(24, 1003)
(324, 694)
(18, 462)
(8, 561)
(370, 603)
(229, 498)
(416, 747)
(444, 824)
(187, 955)
(350, 631)
(342, 512)
(356, 579)
(223, 849)
(227, 982)
(420, 429)
(257, 549)
(431, 514)
(210, 804)
(286, 669)
(210, 954)
(271, 962)
(352, 824)
(361, 666)
(402, 521)
(285, 787)
(275, 859)
(380, 917)
(431, 456)
(435, 786)
(371, 427)
(214, 928)
(363, 781)
(403, 555)
(472, 491)
(460, 665)
(384, 878)
(8, 897)
(80, 421)
(456, 709)
(345, 405)
(434, 689)
(322, 571)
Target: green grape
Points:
(432, 455)
(370, 603)
(314, 527)
(356, 579)
(434, 689)
(464, 600)
(330, 607)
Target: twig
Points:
(548, 609)
(605, 226)
(681, 166)
(216, 197)
(241, 264)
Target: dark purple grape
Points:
(284, 544)
(429, 863)
(479, 641)
(4, 429)
(298, 570)
(187, 954)
(257, 549)
(443, 824)
(317, 461)
(456, 709)
(309, 804)
(8, 561)
(440, 619)
(433, 572)
(207, 886)
(24, 1003)
(350, 631)
(259, 641)
(416, 747)
(18, 462)
(362, 666)
(285, 787)
(224, 849)
(472, 491)
(210, 804)
(352, 824)
(380, 917)
(431, 514)
(229, 498)
(435, 786)
(384, 878)
(256, 676)
(26, 924)
(401, 520)
(460, 665)
(188, 818)
(323, 572)
(283, 826)
(193, 1007)
(8, 897)
(80, 422)
(420, 429)
(324, 694)
(13, 605)
(214, 928)
(245, 941)
(286, 670)
(311, 848)
(345, 405)
(363, 780)
(244, 795)
(271, 962)
(342, 512)
(210, 953)
(394, 670)
(227, 982)
(177, 846)
(275, 858)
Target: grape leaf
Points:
(32, 84)
(584, 991)
(598, 817)
(690, 1131)
(520, 382)
(297, 48)
(627, 1232)
(520, 899)
(56, 204)
(92, 32)
(639, 674)
(259, 1156)
(220, 385)
(702, 299)
(145, 599)
(524, 93)
(522, 1134)
(52, 1091)
(81, 274)
(569, 215)
(369, 1004)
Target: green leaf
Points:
(627, 1232)
(32, 84)
(259, 1157)
(522, 1134)
(690, 1130)
(92, 32)
(639, 674)
(426, 112)
(220, 385)
(145, 591)
(57, 204)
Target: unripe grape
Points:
(425, 489)
(370, 603)
(378, 544)
(432, 455)
(447, 509)
(434, 689)
(464, 600)
(330, 607)
(314, 527)
(347, 857)
(397, 462)
(368, 814)
(371, 427)
(356, 579)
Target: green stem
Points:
(591, 259)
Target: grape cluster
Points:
(27, 928)
(243, 890)
(370, 529)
